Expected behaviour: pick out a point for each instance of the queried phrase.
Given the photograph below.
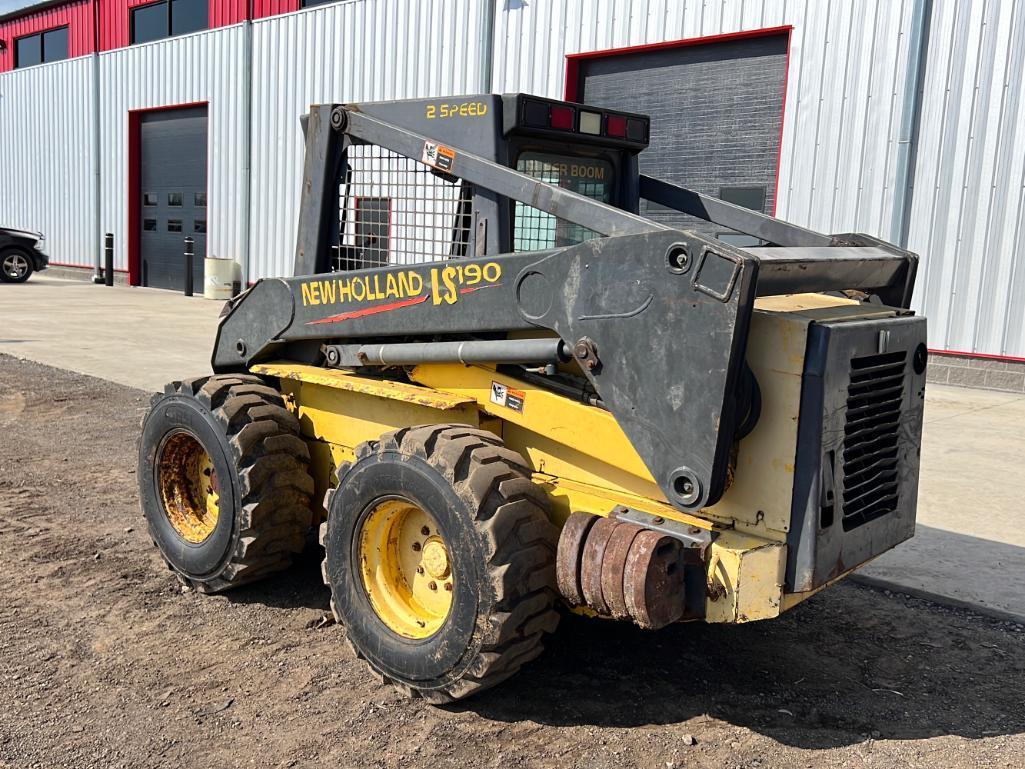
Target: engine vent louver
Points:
(871, 453)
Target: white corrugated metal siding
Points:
(844, 105)
(968, 208)
(842, 114)
(205, 67)
(368, 50)
(841, 130)
(46, 171)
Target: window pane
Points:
(28, 51)
(536, 230)
(149, 199)
(748, 197)
(55, 44)
(150, 225)
(200, 199)
(174, 225)
(199, 225)
(188, 16)
(149, 22)
(174, 199)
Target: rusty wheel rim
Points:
(188, 486)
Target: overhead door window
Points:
(168, 18)
(188, 16)
(149, 23)
(40, 48)
(28, 51)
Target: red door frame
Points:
(135, 181)
(573, 60)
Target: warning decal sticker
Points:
(508, 397)
(439, 156)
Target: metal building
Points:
(899, 118)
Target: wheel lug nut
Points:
(432, 585)
(416, 547)
(425, 531)
(448, 586)
(419, 569)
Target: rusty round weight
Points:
(567, 562)
(653, 580)
(591, 563)
(613, 569)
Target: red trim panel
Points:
(76, 16)
(574, 93)
(134, 191)
(111, 25)
(80, 266)
(264, 8)
(224, 13)
(982, 355)
(135, 185)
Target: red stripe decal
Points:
(370, 310)
(471, 289)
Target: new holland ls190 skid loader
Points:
(496, 387)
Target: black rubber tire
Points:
(501, 544)
(4, 277)
(253, 442)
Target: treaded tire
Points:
(262, 469)
(501, 544)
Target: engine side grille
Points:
(871, 438)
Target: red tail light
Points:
(615, 125)
(562, 118)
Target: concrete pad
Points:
(140, 337)
(984, 575)
(970, 546)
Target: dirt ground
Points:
(105, 662)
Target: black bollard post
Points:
(108, 259)
(189, 248)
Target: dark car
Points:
(21, 254)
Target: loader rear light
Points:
(555, 116)
(563, 118)
(637, 130)
(590, 123)
(615, 125)
(535, 114)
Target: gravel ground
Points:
(105, 662)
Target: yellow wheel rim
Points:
(188, 487)
(404, 563)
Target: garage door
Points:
(172, 177)
(716, 111)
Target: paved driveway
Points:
(139, 337)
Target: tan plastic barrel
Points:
(218, 276)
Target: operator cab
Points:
(396, 210)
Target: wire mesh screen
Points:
(395, 211)
(536, 230)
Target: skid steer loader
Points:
(512, 374)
